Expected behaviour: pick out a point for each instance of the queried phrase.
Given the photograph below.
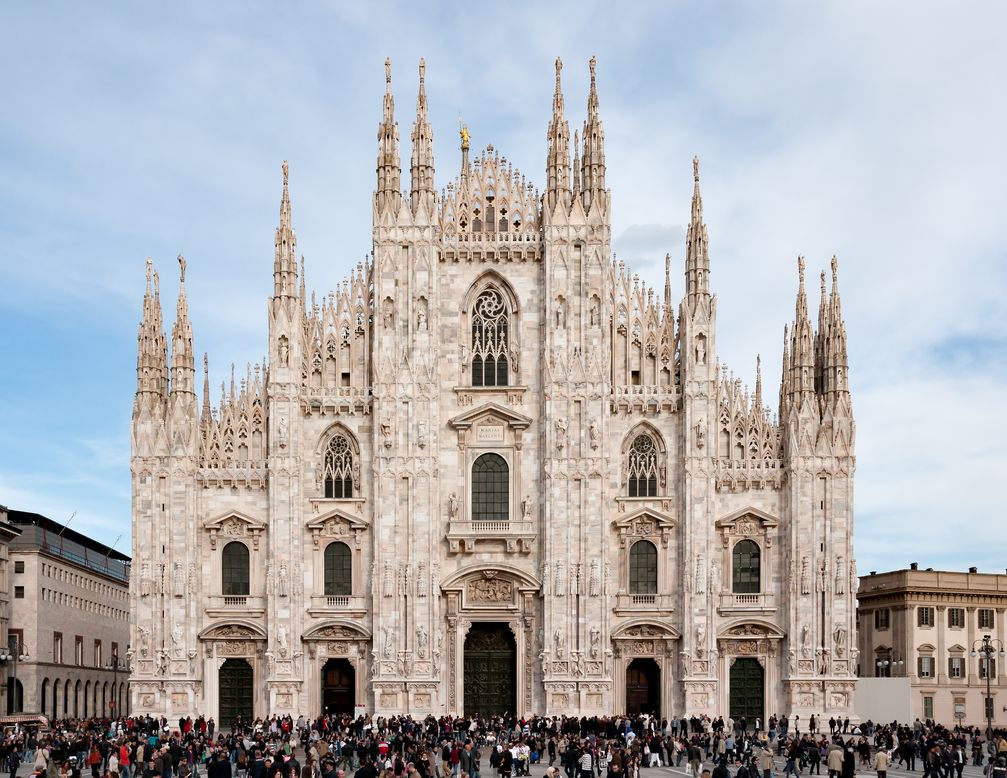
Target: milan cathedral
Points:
(493, 471)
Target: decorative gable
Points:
(645, 523)
(234, 524)
(337, 524)
(747, 522)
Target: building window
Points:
(18, 565)
(18, 592)
(643, 568)
(338, 569)
(234, 567)
(642, 466)
(956, 667)
(882, 619)
(925, 667)
(989, 665)
(956, 617)
(78, 650)
(925, 617)
(337, 469)
(746, 577)
(97, 653)
(490, 489)
(57, 647)
(490, 323)
(928, 707)
(985, 618)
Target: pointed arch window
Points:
(338, 569)
(490, 489)
(490, 339)
(643, 466)
(643, 568)
(337, 468)
(747, 568)
(234, 569)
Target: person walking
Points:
(881, 762)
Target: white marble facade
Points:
(610, 421)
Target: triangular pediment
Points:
(234, 519)
(339, 515)
(748, 517)
(465, 420)
(660, 519)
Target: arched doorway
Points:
(748, 689)
(15, 696)
(490, 670)
(643, 687)
(338, 687)
(235, 683)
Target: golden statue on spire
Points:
(464, 132)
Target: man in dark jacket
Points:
(220, 767)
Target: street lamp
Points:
(887, 665)
(14, 652)
(987, 648)
(115, 666)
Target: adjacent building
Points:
(924, 624)
(7, 534)
(69, 621)
(493, 471)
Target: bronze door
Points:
(748, 689)
(235, 678)
(490, 670)
(643, 687)
(338, 682)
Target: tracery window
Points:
(643, 568)
(234, 569)
(747, 573)
(337, 468)
(490, 489)
(642, 466)
(490, 323)
(338, 569)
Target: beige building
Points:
(923, 624)
(7, 534)
(70, 618)
(493, 471)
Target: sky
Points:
(873, 131)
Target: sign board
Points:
(490, 433)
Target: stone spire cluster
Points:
(422, 192)
(151, 347)
(285, 250)
(389, 168)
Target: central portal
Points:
(235, 679)
(490, 670)
(748, 685)
(643, 688)
(338, 686)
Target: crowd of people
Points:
(498, 747)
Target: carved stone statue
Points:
(700, 433)
(595, 315)
(805, 641)
(281, 640)
(453, 506)
(284, 351)
(839, 636)
(805, 576)
(594, 578)
(421, 641)
(176, 639)
(526, 508)
(386, 433)
(281, 583)
(561, 427)
(144, 641)
(595, 642)
(388, 312)
(389, 641)
(514, 355)
(421, 315)
(701, 639)
(559, 641)
(594, 434)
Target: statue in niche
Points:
(805, 641)
(792, 661)
(594, 434)
(526, 508)
(284, 351)
(700, 350)
(176, 639)
(701, 639)
(453, 506)
(421, 314)
(386, 433)
(515, 359)
(281, 640)
(389, 641)
(281, 583)
(421, 434)
(387, 312)
(144, 641)
(561, 427)
(839, 636)
(281, 431)
(559, 641)
(421, 641)
(561, 313)
(595, 642)
(595, 314)
(700, 433)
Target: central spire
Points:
(389, 168)
(285, 245)
(182, 367)
(697, 256)
(422, 165)
(558, 159)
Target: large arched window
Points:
(337, 468)
(490, 339)
(234, 569)
(642, 466)
(490, 489)
(338, 569)
(746, 565)
(643, 568)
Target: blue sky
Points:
(870, 130)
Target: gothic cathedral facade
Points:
(493, 471)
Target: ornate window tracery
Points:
(490, 339)
(337, 468)
(490, 489)
(643, 466)
(338, 569)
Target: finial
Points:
(835, 270)
(157, 284)
(800, 268)
(150, 268)
(423, 70)
(823, 283)
(667, 264)
(559, 67)
(591, 64)
(695, 169)
(181, 265)
(388, 72)
(286, 171)
(758, 365)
